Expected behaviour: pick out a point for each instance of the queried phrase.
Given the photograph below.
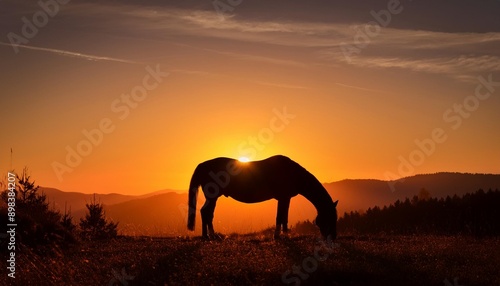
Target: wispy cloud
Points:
(281, 85)
(219, 75)
(359, 87)
(72, 54)
(462, 68)
(457, 55)
(164, 21)
(257, 58)
(461, 56)
(197, 72)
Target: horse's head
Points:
(327, 222)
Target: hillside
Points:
(164, 214)
(362, 194)
(76, 201)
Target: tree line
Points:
(471, 214)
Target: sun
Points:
(244, 159)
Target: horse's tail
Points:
(193, 198)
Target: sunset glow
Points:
(132, 102)
(244, 159)
(250, 142)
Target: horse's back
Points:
(275, 177)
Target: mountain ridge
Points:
(164, 212)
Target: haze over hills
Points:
(76, 201)
(164, 212)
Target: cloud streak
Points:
(72, 54)
(359, 88)
(413, 50)
(281, 85)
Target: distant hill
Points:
(76, 201)
(163, 212)
(155, 215)
(362, 194)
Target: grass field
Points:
(259, 260)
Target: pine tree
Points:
(94, 225)
(28, 195)
(67, 222)
(40, 223)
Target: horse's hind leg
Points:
(207, 216)
(282, 216)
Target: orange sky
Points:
(228, 78)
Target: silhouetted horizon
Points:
(166, 211)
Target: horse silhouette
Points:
(277, 177)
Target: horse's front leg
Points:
(282, 216)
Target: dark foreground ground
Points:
(259, 260)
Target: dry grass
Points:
(259, 260)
